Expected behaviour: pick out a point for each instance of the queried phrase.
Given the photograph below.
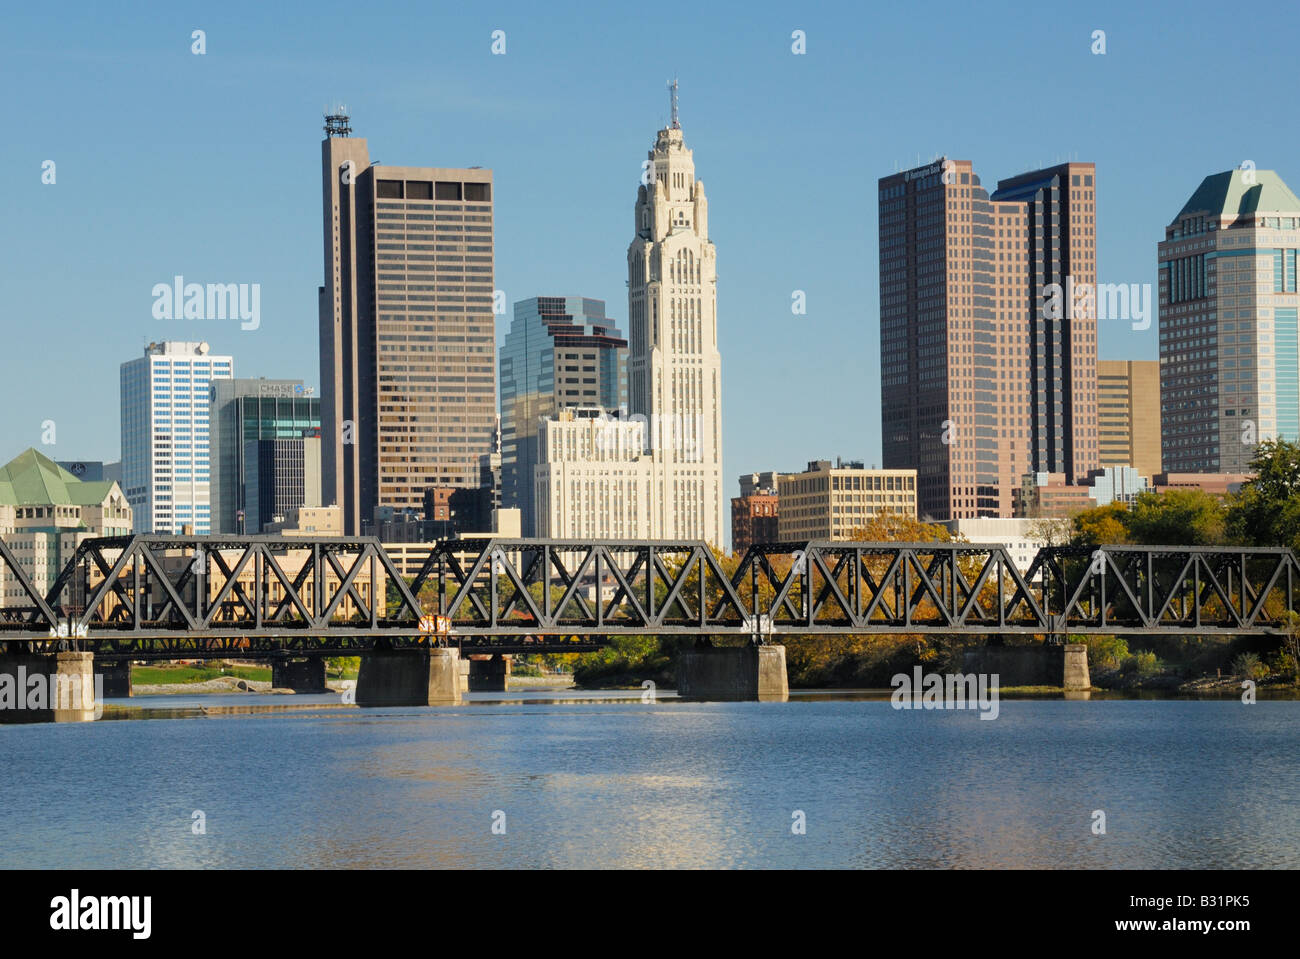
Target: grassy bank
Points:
(172, 674)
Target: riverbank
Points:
(235, 684)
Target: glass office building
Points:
(561, 352)
(166, 467)
(265, 436)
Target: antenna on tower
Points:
(673, 87)
(336, 121)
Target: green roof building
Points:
(45, 513)
(1229, 343)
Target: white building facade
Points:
(674, 380)
(166, 459)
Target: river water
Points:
(609, 781)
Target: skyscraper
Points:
(1229, 355)
(979, 385)
(561, 351)
(244, 413)
(658, 472)
(166, 463)
(1060, 233)
(407, 333)
(674, 369)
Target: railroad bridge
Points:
(294, 601)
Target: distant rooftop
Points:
(1239, 192)
(32, 479)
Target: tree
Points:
(1190, 517)
(1103, 526)
(900, 528)
(1267, 510)
(1051, 531)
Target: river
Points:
(552, 780)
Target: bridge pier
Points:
(733, 674)
(1075, 675)
(117, 677)
(409, 677)
(1038, 665)
(488, 674)
(300, 675)
(48, 688)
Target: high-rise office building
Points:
(280, 476)
(1128, 414)
(407, 333)
(1229, 356)
(674, 368)
(561, 351)
(1060, 235)
(253, 411)
(166, 463)
(672, 487)
(980, 384)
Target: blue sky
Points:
(209, 166)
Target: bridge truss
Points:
(166, 597)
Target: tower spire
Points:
(673, 87)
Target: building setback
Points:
(561, 352)
(166, 463)
(979, 384)
(1229, 354)
(407, 332)
(1128, 414)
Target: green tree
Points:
(1190, 517)
(1267, 510)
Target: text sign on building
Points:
(284, 389)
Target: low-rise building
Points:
(830, 501)
(45, 513)
(754, 511)
(1021, 536)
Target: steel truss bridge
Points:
(169, 597)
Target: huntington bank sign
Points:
(37, 691)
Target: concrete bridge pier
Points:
(488, 674)
(117, 677)
(409, 677)
(733, 674)
(1044, 664)
(300, 675)
(48, 688)
(1076, 680)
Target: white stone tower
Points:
(674, 370)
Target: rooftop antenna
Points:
(673, 87)
(337, 121)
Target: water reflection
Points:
(619, 783)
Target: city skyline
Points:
(185, 224)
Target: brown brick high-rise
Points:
(975, 388)
(407, 331)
